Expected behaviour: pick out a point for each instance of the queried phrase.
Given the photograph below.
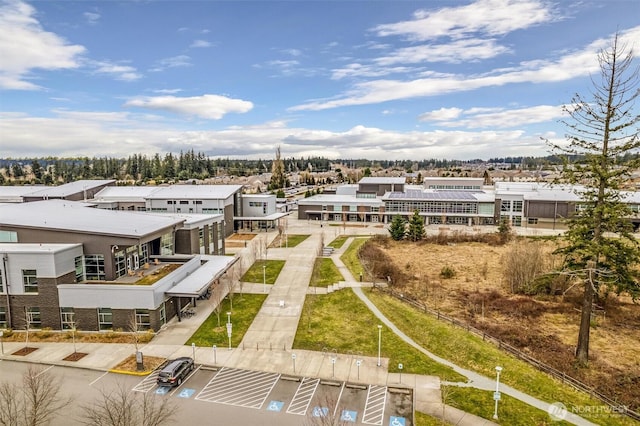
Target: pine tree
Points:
(416, 227)
(601, 250)
(397, 228)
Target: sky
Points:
(373, 79)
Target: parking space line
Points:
(245, 388)
(92, 383)
(45, 370)
(374, 407)
(335, 410)
(175, 389)
(302, 398)
(147, 383)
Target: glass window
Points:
(337, 217)
(3, 317)
(532, 221)
(121, 264)
(166, 244)
(163, 315)
(79, 269)
(33, 317)
(67, 318)
(30, 280)
(105, 319)
(94, 267)
(517, 206)
(143, 319)
(1, 282)
(505, 206)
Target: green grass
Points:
(245, 308)
(325, 273)
(350, 257)
(339, 241)
(255, 273)
(341, 321)
(426, 420)
(511, 411)
(291, 240)
(469, 351)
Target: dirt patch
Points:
(80, 336)
(150, 363)
(240, 237)
(546, 327)
(76, 356)
(24, 351)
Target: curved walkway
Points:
(475, 380)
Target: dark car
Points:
(174, 372)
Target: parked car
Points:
(175, 371)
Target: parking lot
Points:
(290, 397)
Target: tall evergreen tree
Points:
(397, 228)
(415, 231)
(601, 250)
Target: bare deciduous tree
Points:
(36, 402)
(327, 413)
(523, 263)
(121, 407)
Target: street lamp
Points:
(496, 394)
(333, 364)
(229, 326)
(264, 278)
(379, 342)
(293, 358)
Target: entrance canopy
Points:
(196, 283)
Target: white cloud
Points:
(454, 52)
(26, 46)
(361, 71)
(119, 72)
(121, 134)
(167, 91)
(200, 44)
(498, 118)
(573, 64)
(172, 62)
(212, 107)
(91, 17)
(492, 17)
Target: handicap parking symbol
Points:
(349, 416)
(186, 393)
(275, 406)
(320, 411)
(162, 390)
(397, 421)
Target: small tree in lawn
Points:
(397, 228)
(600, 249)
(416, 227)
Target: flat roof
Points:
(36, 248)
(76, 216)
(70, 188)
(197, 282)
(320, 199)
(273, 216)
(200, 192)
(128, 193)
(382, 180)
(415, 194)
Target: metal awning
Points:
(196, 283)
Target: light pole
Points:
(496, 394)
(193, 350)
(333, 364)
(379, 342)
(229, 327)
(358, 363)
(293, 358)
(264, 278)
(215, 356)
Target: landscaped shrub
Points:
(447, 272)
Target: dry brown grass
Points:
(544, 326)
(150, 363)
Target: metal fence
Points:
(560, 375)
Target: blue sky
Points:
(339, 79)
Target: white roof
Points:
(70, 188)
(197, 281)
(35, 248)
(382, 180)
(200, 192)
(16, 192)
(321, 199)
(76, 216)
(125, 193)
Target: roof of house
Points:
(69, 188)
(200, 192)
(78, 217)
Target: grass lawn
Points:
(341, 321)
(350, 257)
(290, 241)
(339, 241)
(325, 273)
(469, 351)
(511, 411)
(426, 420)
(271, 272)
(245, 308)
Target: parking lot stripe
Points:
(147, 383)
(302, 398)
(374, 407)
(243, 388)
(92, 383)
